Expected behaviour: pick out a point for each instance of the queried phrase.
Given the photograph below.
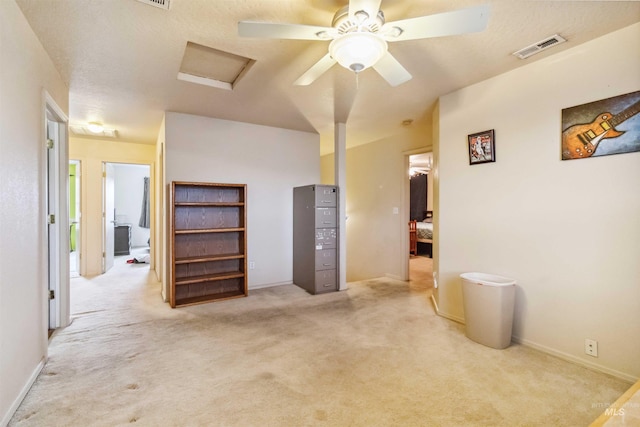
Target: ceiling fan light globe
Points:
(358, 51)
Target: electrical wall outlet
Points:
(252, 265)
(591, 347)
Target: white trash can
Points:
(488, 308)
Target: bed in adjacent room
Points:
(424, 232)
(420, 232)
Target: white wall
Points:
(269, 160)
(129, 191)
(568, 231)
(25, 71)
(377, 182)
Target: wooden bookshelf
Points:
(208, 242)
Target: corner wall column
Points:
(340, 156)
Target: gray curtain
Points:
(418, 197)
(144, 215)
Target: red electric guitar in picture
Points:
(581, 140)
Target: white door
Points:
(56, 191)
(108, 215)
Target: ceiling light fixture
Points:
(92, 129)
(358, 51)
(95, 127)
(357, 44)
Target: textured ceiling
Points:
(120, 59)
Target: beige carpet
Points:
(375, 355)
(421, 270)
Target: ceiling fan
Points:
(359, 36)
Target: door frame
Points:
(107, 221)
(152, 202)
(406, 193)
(78, 218)
(55, 202)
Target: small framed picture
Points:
(482, 147)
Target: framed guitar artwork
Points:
(601, 128)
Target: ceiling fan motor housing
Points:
(343, 24)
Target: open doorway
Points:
(421, 215)
(129, 239)
(126, 213)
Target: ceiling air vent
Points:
(539, 46)
(162, 4)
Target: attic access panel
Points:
(212, 67)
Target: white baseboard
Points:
(18, 400)
(435, 303)
(574, 359)
(268, 285)
(549, 350)
(394, 277)
(445, 315)
(272, 285)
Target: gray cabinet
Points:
(122, 239)
(315, 238)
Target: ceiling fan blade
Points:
(271, 30)
(370, 6)
(442, 24)
(391, 70)
(315, 71)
